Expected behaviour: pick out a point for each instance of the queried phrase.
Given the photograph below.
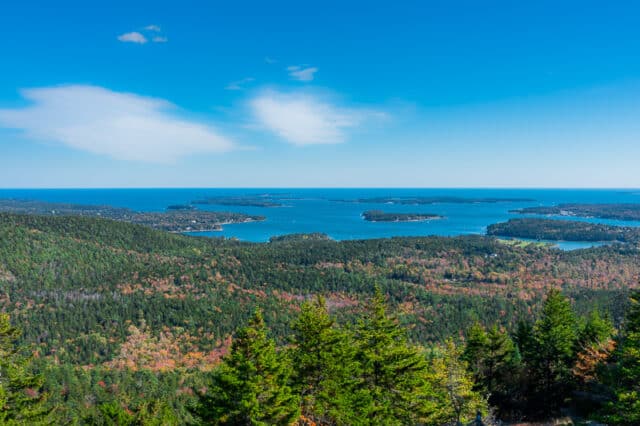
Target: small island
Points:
(620, 211)
(564, 230)
(381, 216)
(313, 236)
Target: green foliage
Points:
(553, 353)
(394, 376)
(496, 365)
(454, 388)
(625, 409)
(251, 385)
(325, 371)
(596, 329)
(21, 396)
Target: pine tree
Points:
(325, 372)
(21, 398)
(494, 361)
(475, 350)
(553, 354)
(251, 386)
(625, 410)
(394, 375)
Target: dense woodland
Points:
(121, 324)
(556, 230)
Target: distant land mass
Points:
(174, 220)
(564, 230)
(181, 207)
(434, 200)
(625, 211)
(381, 216)
(238, 201)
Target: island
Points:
(238, 201)
(564, 230)
(381, 216)
(179, 220)
(313, 236)
(620, 211)
(433, 200)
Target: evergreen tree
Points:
(494, 361)
(251, 386)
(625, 410)
(595, 330)
(21, 397)
(475, 350)
(394, 375)
(324, 366)
(553, 354)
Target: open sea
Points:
(319, 210)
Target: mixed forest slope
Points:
(94, 277)
(110, 302)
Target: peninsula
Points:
(621, 211)
(173, 220)
(564, 230)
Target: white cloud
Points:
(304, 119)
(132, 37)
(155, 28)
(120, 125)
(159, 39)
(270, 60)
(239, 85)
(302, 73)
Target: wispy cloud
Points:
(153, 32)
(306, 119)
(270, 60)
(123, 126)
(240, 84)
(133, 37)
(302, 73)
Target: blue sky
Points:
(324, 94)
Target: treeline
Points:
(367, 372)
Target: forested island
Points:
(381, 216)
(564, 230)
(314, 236)
(177, 218)
(238, 201)
(620, 211)
(123, 324)
(433, 200)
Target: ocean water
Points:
(316, 210)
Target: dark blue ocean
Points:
(316, 210)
